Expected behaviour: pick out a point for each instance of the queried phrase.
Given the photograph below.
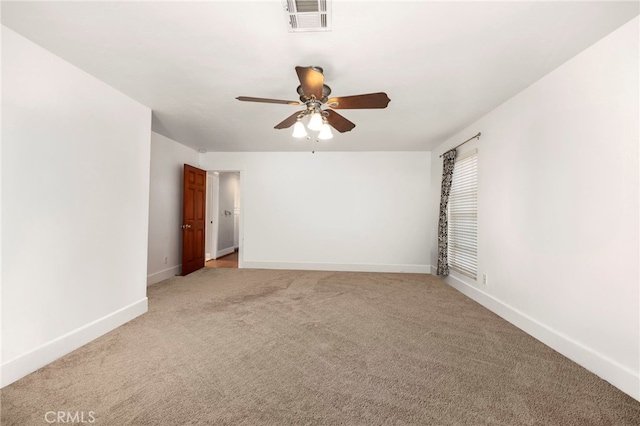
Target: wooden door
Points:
(193, 218)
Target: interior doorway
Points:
(223, 241)
(226, 261)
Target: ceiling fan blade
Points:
(371, 100)
(311, 81)
(338, 122)
(289, 121)
(266, 100)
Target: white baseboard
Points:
(225, 252)
(165, 274)
(618, 375)
(339, 267)
(39, 357)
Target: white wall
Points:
(75, 188)
(165, 206)
(1, 185)
(227, 194)
(558, 209)
(332, 210)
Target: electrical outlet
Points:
(165, 260)
(485, 280)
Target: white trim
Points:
(243, 178)
(214, 214)
(338, 267)
(225, 252)
(618, 375)
(39, 357)
(165, 274)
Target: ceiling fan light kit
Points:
(325, 131)
(298, 129)
(315, 121)
(314, 94)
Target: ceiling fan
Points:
(313, 95)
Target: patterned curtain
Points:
(448, 161)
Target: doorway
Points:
(226, 261)
(222, 242)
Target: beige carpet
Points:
(252, 347)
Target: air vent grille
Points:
(308, 15)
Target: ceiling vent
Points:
(308, 15)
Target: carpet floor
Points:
(267, 347)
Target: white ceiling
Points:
(443, 64)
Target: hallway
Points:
(228, 261)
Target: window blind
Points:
(463, 216)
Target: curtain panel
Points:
(448, 162)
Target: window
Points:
(463, 216)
